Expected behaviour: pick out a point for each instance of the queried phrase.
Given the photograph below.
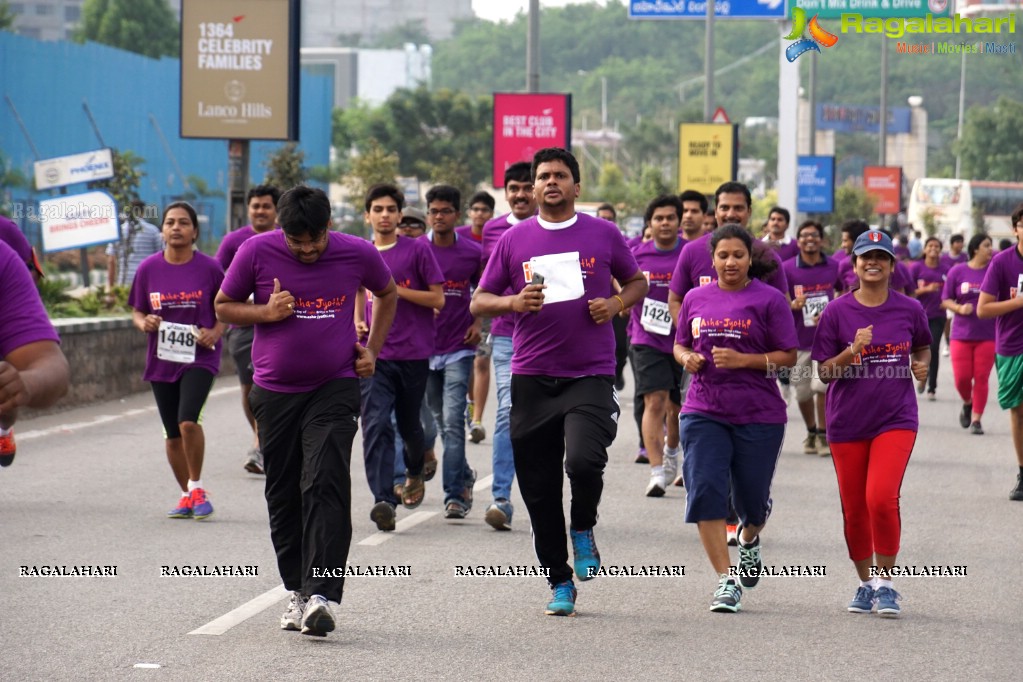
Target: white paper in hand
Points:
(562, 275)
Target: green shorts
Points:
(1010, 380)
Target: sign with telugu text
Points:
(707, 155)
(697, 9)
(239, 69)
(526, 123)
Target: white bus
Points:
(953, 202)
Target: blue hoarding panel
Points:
(697, 9)
(815, 184)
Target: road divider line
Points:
(380, 537)
(242, 613)
(102, 419)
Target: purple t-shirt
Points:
(11, 234)
(634, 242)
(901, 279)
(948, 260)
(1003, 279)
(317, 344)
(839, 256)
(658, 267)
(502, 325)
(562, 340)
(785, 250)
(25, 321)
(755, 319)
(181, 293)
(924, 274)
(460, 264)
(875, 393)
(695, 267)
(466, 231)
(413, 266)
(230, 243)
(820, 284)
(962, 285)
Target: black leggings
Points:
(937, 325)
(182, 400)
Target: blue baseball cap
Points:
(873, 240)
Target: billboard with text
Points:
(525, 123)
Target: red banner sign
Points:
(525, 124)
(884, 183)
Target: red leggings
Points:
(971, 366)
(869, 478)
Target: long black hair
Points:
(762, 265)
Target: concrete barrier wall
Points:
(107, 357)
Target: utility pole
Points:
(533, 48)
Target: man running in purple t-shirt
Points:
(303, 280)
(565, 410)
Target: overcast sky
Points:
(498, 10)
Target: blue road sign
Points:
(697, 9)
(816, 184)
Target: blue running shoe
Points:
(184, 508)
(887, 602)
(864, 600)
(201, 507)
(499, 515)
(751, 566)
(587, 558)
(562, 603)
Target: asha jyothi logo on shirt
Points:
(695, 327)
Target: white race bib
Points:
(175, 342)
(655, 318)
(813, 307)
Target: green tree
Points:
(990, 148)
(124, 188)
(851, 201)
(284, 166)
(7, 16)
(374, 165)
(147, 27)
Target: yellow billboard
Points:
(707, 155)
(239, 69)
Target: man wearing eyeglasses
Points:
(454, 345)
(400, 380)
(303, 280)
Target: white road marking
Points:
(242, 613)
(380, 537)
(146, 665)
(99, 420)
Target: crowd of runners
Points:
(722, 324)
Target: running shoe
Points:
(318, 619)
(292, 618)
(201, 507)
(750, 563)
(680, 480)
(467, 491)
(7, 449)
(455, 510)
(946, 352)
(670, 466)
(641, 457)
(823, 449)
(976, 429)
(728, 596)
(184, 508)
(655, 488)
(730, 532)
(888, 602)
(964, 416)
(931, 397)
(254, 462)
(864, 600)
(1017, 493)
(562, 601)
(383, 515)
(499, 515)
(810, 443)
(587, 557)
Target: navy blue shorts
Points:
(719, 455)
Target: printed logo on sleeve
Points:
(964, 288)
(705, 280)
(154, 300)
(527, 271)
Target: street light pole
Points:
(533, 48)
(708, 65)
(962, 111)
(603, 103)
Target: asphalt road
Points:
(91, 487)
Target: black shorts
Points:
(656, 371)
(182, 400)
(239, 345)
